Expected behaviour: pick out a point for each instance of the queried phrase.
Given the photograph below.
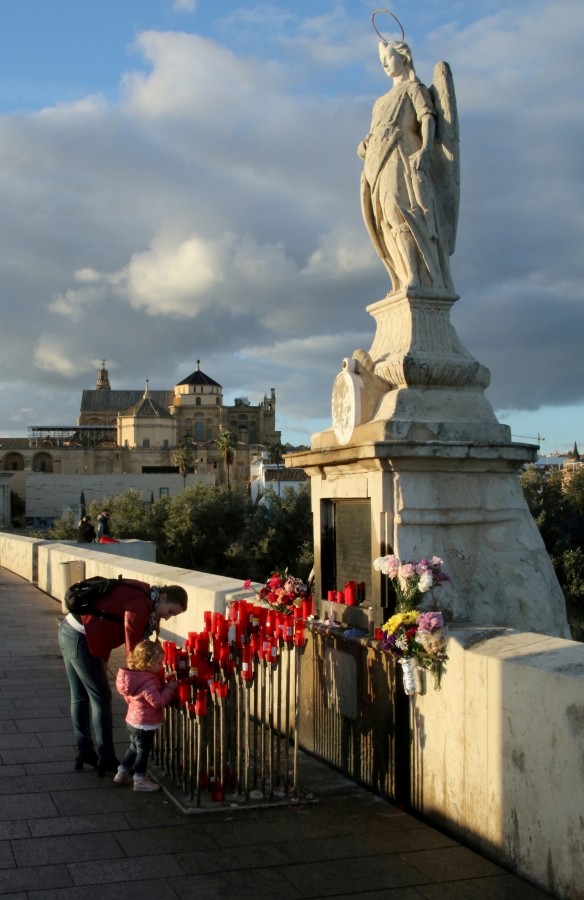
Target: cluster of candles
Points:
(231, 644)
(352, 595)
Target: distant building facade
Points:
(136, 432)
(268, 476)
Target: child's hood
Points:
(131, 682)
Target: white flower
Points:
(425, 583)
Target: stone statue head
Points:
(404, 52)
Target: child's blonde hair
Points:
(143, 654)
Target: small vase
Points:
(410, 675)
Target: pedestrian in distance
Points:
(143, 687)
(104, 535)
(86, 531)
(128, 614)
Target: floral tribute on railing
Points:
(416, 639)
(230, 725)
(284, 593)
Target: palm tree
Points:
(183, 458)
(276, 457)
(226, 444)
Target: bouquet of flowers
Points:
(411, 579)
(400, 634)
(282, 592)
(411, 636)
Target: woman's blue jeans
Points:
(136, 756)
(91, 696)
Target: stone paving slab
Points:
(67, 835)
(153, 889)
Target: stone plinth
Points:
(460, 501)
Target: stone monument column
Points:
(415, 462)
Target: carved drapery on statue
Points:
(410, 180)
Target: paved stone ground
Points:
(67, 835)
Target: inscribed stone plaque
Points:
(353, 542)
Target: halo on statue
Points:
(389, 13)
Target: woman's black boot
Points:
(89, 757)
(107, 764)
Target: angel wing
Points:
(445, 160)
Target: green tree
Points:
(183, 458)
(277, 536)
(557, 505)
(226, 444)
(129, 515)
(544, 493)
(203, 521)
(572, 570)
(276, 457)
(64, 528)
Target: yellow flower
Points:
(408, 618)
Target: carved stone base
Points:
(462, 502)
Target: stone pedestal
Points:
(416, 464)
(460, 501)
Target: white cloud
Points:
(184, 5)
(223, 191)
(54, 355)
(174, 279)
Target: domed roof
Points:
(198, 377)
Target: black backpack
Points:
(81, 598)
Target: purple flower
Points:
(430, 621)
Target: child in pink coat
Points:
(146, 694)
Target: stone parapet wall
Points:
(495, 756)
(498, 752)
(41, 562)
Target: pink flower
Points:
(247, 584)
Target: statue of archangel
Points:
(410, 181)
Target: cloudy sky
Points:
(179, 180)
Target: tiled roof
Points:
(120, 401)
(13, 443)
(147, 407)
(286, 475)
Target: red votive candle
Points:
(201, 703)
(183, 691)
(340, 596)
(254, 644)
(202, 643)
(208, 617)
(307, 607)
(182, 664)
(299, 639)
(331, 596)
(246, 664)
(350, 593)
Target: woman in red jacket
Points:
(130, 613)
